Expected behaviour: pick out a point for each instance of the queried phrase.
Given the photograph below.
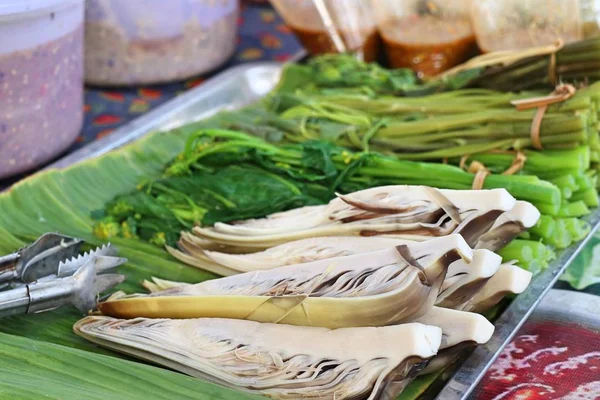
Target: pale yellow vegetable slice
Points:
(508, 226)
(406, 212)
(279, 361)
(464, 279)
(461, 331)
(458, 326)
(379, 288)
(510, 279)
(296, 252)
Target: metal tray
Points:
(245, 84)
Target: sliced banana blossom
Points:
(278, 361)
(510, 279)
(462, 281)
(296, 252)
(379, 288)
(458, 326)
(157, 285)
(508, 226)
(405, 212)
(461, 331)
(465, 279)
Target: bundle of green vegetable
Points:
(204, 184)
(575, 62)
(437, 126)
(571, 170)
(539, 68)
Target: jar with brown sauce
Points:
(429, 36)
(520, 24)
(332, 26)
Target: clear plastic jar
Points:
(332, 26)
(429, 36)
(589, 12)
(520, 24)
(130, 42)
(41, 81)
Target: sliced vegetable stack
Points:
(279, 361)
(382, 285)
(383, 298)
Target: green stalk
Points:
(530, 255)
(574, 209)
(588, 196)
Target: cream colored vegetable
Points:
(508, 226)
(157, 285)
(461, 331)
(296, 252)
(404, 212)
(278, 361)
(371, 289)
(227, 260)
(458, 326)
(465, 279)
(510, 279)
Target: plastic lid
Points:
(15, 7)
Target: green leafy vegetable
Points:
(584, 271)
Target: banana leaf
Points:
(49, 361)
(35, 370)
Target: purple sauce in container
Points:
(41, 81)
(154, 41)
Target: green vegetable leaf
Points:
(584, 271)
(316, 155)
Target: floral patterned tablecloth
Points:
(546, 359)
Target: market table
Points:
(521, 371)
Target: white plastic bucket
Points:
(153, 41)
(41, 81)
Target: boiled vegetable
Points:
(510, 279)
(406, 212)
(279, 361)
(195, 251)
(369, 289)
(465, 279)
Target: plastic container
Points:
(332, 26)
(429, 36)
(520, 24)
(589, 12)
(130, 42)
(41, 81)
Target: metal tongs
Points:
(51, 273)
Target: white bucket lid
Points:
(16, 7)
